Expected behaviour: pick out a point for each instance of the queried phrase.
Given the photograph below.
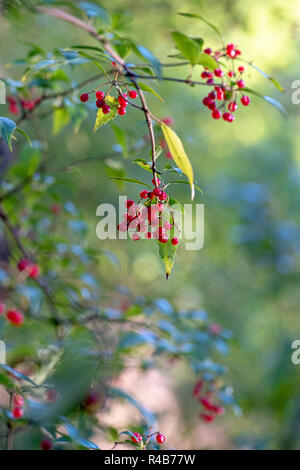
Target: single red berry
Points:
(156, 192)
(135, 237)
(33, 271)
(210, 81)
(206, 101)
(122, 101)
(158, 181)
(129, 203)
(169, 121)
(84, 97)
(18, 400)
(99, 94)
(144, 194)
(212, 95)
(197, 388)
(106, 109)
(133, 94)
(240, 84)
(163, 196)
(14, 109)
(15, 317)
(206, 417)
(220, 95)
(46, 444)
(175, 241)
(148, 235)
(219, 410)
(207, 403)
(160, 438)
(2, 307)
(121, 111)
(212, 105)
(216, 114)
(245, 100)
(241, 69)
(208, 51)
(100, 103)
(231, 73)
(218, 73)
(136, 438)
(17, 412)
(205, 74)
(228, 117)
(23, 264)
(237, 53)
(232, 106)
(113, 64)
(163, 239)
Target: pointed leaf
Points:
(269, 100)
(7, 127)
(101, 118)
(207, 61)
(145, 87)
(179, 156)
(187, 46)
(130, 180)
(201, 18)
(167, 252)
(275, 82)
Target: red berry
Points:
(156, 192)
(212, 95)
(231, 73)
(212, 105)
(208, 51)
(163, 239)
(135, 237)
(158, 181)
(237, 53)
(228, 117)
(2, 307)
(23, 264)
(99, 94)
(219, 410)
(206, 417)
(245, 100)
(133, 94)
(113, 64)
(175, 241)
(210, 81)
(33, 271)
(100, 103)
(55, 209)
(148, 235)
(205, 74)
(138, 438)
(232, 106)
(106, 109)
(216, 114)
(129, 203)
(218, 73)
(122, 101)
(84, 97)
(163, 196)
(220, 95)
(15, 317)
(121, 111)
(240, 84)
(168, 121)
(46, 444)
(18, 401)
(197, 388)
(144, 194)
(160, 438)
(207, 403)
(206, 101)
(241, 69)
(17, 412)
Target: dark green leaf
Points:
(7, 127)
(187, 46)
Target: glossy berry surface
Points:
(99, 94)
(175, 241)
(106, 109)
(84, 97)
(136, 438)
(46, 444)
(160, 438)
(245, 100)
(133, 94)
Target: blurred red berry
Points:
(17, 412)
(121, 111)
(175, 241)
(46, 444)
(133, 94)
(241, 69)
(99, 94)
(144, 194)
(18, 400)
(206, 417)
(55, 209)
(106, 109)
(15, 317)
(216, 114)
(232, 106)
(168, 121)
(218, 73)
(84, 97)
(240, 84)
(208, 51)
(100, 103)
(136, 438)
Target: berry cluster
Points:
(148, 218)
(31, 269)
(13, 316)
(210, 409)
(222, 100)
(137, 438)
(102, 104)
(17, 406)
(15, 106)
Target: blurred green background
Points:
(247, 274)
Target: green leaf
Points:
(269, 100)
(121, 138)
(17, 374)
(201, 18)
(24, 134)
(144, 53)
(178, 154)
(275, 82)
(187, 46)
(103, 119)
(174, 202)
(145, 87)
(7, 127)
(143, 164)
(167, 252)
(207, 61)
(61, 118)
(130, 180)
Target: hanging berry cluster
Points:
(102, 102)
(205, 394)
(151, 217)
(222, 101)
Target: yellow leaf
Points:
(101, 118)
(179, 156)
